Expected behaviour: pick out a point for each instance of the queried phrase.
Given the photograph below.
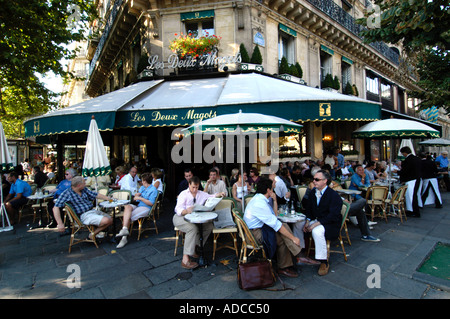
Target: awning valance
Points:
(183, 102)
(197, 15)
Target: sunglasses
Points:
(319, 179)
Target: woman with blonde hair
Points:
(157, 175)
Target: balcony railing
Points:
(105, 34)
(339, 15)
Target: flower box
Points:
(251, 66)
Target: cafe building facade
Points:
(130, 68)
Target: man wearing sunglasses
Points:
(323, 216)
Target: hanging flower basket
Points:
(188, 45)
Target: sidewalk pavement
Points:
(36, 264)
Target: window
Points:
(346, 74)
(386, 91)
(372, 85)
(326, 65)
(199, 28)
(286, 47)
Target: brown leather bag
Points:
(256, 275)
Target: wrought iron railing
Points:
(339, 15)
(105, 34)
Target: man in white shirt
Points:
(214, 184)
(259, 213)
(130, 181)
(280, 189)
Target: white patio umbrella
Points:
(6, 165)
(395, 128)
(436, 142)
(242, 124)
(95, 162)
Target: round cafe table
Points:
(200, 218)
(349, 193)
(291, 219)
(40, 197)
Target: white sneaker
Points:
(123, 232)
(123, 242)
(370, 223)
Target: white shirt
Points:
(129, 183)
(258, 212)
(280, 187)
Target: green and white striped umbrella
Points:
(244, 123)
(6, 164)
(95, 162)
(395, 128)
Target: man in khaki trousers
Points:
(258, 214)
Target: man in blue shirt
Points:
(259, 213)
(442, 160)
(360, 179)
(17, 196)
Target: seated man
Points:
(81, 200)
(215, 184)
(323, 216)
(39, 177)
(260, 219)
(130, 181)
(145, 198)
(185, 204)
(359, 179)
(17, 196)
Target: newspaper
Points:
(224, 218)
(209, 205)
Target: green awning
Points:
(288, 30)
(327, 50)
(197, 15)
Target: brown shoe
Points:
(288, 272)
(307, 261)
(189, 265)
(323, 269)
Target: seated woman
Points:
(233, 177)
(120, 173)
(240, 189)
(254, 176)
(157, 174)
(145, 197)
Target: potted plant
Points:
(327, 83)
(188, 45)
(336, 83)
(291, 72)
(255, 60)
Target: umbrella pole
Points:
(4, 215)
(242, 168)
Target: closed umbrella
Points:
(6, 166)
(95, 162)
(244, 123)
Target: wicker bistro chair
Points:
(149, 217)
(178, 234)
(77, 226)
(398, 201)
(301, 191)
(248, 198)
(36, 206)
(248, 240)
(227, 203)
(344, 212)
(376, 198)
